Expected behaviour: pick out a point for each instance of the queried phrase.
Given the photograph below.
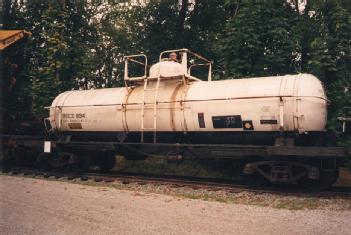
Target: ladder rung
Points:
(153, 105)
(148, 128)
(145, 116)
(151, 89)
(149, 115)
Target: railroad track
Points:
(210, 184)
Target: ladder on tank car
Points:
(153, 105)
(137, 80)
(147, 103)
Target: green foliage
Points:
(258, 40)
(330, 49)
(58, 56)
(331, 57)
(346, 142)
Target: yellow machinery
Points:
(9, 37)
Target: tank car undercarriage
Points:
(311, 167)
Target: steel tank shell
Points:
(282, 103)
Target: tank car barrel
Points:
(169, 102)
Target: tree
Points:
(258, 40)
(58, 56)
(330, 56)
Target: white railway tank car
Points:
(171, 105)
(263, 124)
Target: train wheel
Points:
(107, 162)
(18, 156)
(7, 161)
(249, 176)
(59, 160)
(253, 180)
(326, 179)
(84, 163)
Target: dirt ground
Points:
(36, 206)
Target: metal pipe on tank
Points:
(281, 113)
(184, 61)
(210, 72)
(126, 70)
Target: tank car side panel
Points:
(305, 85)
(170, 112)
(262, 113)
(237, 88)
(311, 114)
(91, 118)
(90, 110)
(165, 92)
(288, 103)
(231, 115)
(55, 109)
(310, 86)
(106, 96)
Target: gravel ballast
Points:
(36, 206)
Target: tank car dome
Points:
(167, 69)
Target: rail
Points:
(210, 184)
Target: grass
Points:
(344, 178)
(188, 167)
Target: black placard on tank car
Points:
(231, 121)
(201, 119)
